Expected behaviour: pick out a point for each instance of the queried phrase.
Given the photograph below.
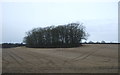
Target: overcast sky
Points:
(99, 18)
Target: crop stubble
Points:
(89, 58)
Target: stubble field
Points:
(89, 58)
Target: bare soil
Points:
(89, 58)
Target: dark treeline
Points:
(98, 42)
(11, 45)
(69, 35)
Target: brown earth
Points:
(90, 58)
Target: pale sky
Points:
(99, 18)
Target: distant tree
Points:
(69, 35)
(111, 42)
(85, 42)
(102, 41)
(90, 42)
(98, 42)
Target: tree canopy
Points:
(69, 35)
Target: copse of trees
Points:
(69, 35)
